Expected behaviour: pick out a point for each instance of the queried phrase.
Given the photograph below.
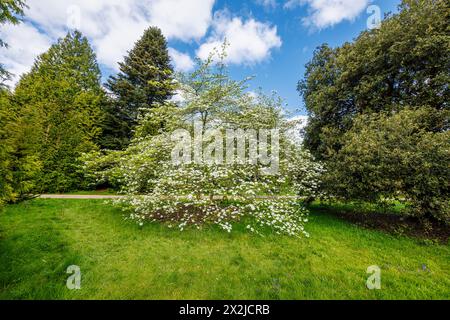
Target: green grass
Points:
(39, 239)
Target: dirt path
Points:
(79, 197)
(87, 197)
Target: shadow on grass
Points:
(391, 220)
(34, 257)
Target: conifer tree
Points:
(145, 81)
(63, 95)
(18, 163)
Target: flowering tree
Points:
(206, 188)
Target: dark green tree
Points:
(10, 12)
(402, 156)
(379, 110)
(404, 63)
(63, 95)
(144, 82)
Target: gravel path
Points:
(86, 197)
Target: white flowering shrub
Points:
(199, 193)
(194, 195)
(282, 216)
(304, 171)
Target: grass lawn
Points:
(39, 239)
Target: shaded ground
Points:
(392, 223)
(39, 239)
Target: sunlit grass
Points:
(119, 260)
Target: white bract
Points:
(195, 194)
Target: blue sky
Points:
(269, 39)
(285, 67)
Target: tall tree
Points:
(18, 161)
(379, 110)
(404, 63)
(145, 81)
(63, 94)
(209, 91)
(10, 11)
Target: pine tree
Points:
(145, 81)
(63, 95)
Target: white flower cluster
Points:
(184, 194)
(281, 216)
(197, 195)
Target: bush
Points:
(195, 195)
(203, 194)
(404, 156)
(200, 192)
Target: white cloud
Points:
(249, 41)
(25, 44)
(181, 19)
(98, 17)
(327, 13)
(268, 4)
(112, 26)
(252, 94)
(182, 61)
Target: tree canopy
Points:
(63, 96)
(403, 63)
(158, 188)
(145, 81)
(379, 112)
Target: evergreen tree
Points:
(404, 63)
(9, 12)
(63, 95)
(18, 162)
(145, 81)
(379, 111)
